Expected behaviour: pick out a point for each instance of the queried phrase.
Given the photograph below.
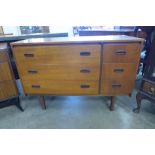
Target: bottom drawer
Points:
(117, 87)
(61, 87)
(7, 90)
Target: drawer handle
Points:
(85, 53)
(84, 71)
(29, 55)
(116, 85)
(35, 86)
(120, 52)
(32, 71)
(118, 70)
(84, 86)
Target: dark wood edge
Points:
(14, 44)
(53, 44)
(31, 94)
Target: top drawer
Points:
(59, 54)
(121, 52)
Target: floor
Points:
(77, 112)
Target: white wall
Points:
(53, 29)
(1, 30)
(12, 29)
(61, 29)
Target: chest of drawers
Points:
(78, 66)
(7, 82)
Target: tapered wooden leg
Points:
(138, 99)
(130, 94)
(42, 102)
(112, 104)
(18, 104)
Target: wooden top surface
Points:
(87, 39)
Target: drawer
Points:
(61, 87)
(7, 90)
(119, 70)
(117, 87)
(3, 57)
(5, 72)
(59, 72)
(127, 53)
(58, 54)
(149, 88)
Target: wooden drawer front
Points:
(149, 88)
(61, 87)
(7, 90)
(3, 57)
(59, 72)
(119, 70)
(5, 72)
(121, 52)
(59, 54)
(117, 87)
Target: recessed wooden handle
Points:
(85, 53)
(85, 86)
(116, 85)
(118, 70)
(85, 71)
(32, 71)
(120, 52)
(35, 86)
(29, 55)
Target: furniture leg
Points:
(138, 99)
(130, 94)
(18, 104)
(42, 102)
(112, 104)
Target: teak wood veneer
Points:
(102, 65)
(8, 87)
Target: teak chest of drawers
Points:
(8, 87)
(103, 65)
